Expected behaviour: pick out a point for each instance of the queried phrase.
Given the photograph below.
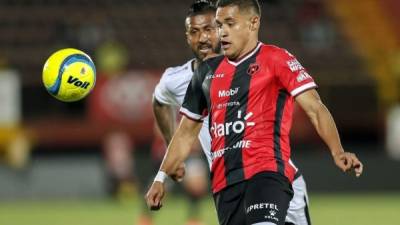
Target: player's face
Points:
(234, 29)
(201, 35)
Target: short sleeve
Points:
(291, 74)
(161, 92)
(195, 104)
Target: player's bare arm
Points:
(177, 152)
(326, 128)
(165, 119)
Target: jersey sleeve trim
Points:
(160, 100)
(190, 115)
(303, 88)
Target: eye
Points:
(209, 29)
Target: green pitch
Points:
(335, 209)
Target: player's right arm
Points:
(177, 152)
(193, 109)
(165, 115)
(163, 109)
(165, 119)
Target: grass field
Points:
(333, 209)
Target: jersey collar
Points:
(248, 55)
(190, 63)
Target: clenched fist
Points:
(348, 161)
(155, 195)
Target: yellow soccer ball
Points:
(69, 75)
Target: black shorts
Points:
(263, 198)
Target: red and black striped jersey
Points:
(250, 106)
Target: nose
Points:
(204, 36)
(222, 32)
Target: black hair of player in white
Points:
(201, 7)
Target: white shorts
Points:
(298, 208)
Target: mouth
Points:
(225, 45)
(204, 49)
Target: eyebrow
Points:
(201, 26)
(229, 19)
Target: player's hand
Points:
(155, 195)
(348, 161)
(179, 173)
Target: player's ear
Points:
(254, 23)
(187, 37)
(187, 21)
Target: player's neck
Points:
(195, 63)
(250, 46)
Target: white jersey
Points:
(171, 90)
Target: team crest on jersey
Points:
(253, 68)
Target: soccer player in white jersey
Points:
(202, 38)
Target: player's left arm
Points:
(295, 79)
(323, 122)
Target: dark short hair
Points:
(242, 4)
(201, 7)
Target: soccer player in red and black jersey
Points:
(249, 94)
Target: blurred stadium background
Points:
(55, 157)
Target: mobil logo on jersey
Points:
(228, 93)
(234, 127)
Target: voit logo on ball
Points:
(77, 82)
